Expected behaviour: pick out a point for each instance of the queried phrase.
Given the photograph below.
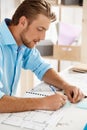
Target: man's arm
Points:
(73, 93)
(16, 104)
(52, 77)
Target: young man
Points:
(18, 38)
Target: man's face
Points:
(35, 32)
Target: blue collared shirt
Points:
(13, 58)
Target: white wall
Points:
(8, 7)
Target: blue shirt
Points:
(13, 58)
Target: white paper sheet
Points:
(39, 119)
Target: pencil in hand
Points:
(85, 96)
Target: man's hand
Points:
(54, 102)
(73, 93)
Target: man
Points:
(18, 38)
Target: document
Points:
(36, 120)
(39, 119)
(3, 116)
(77, 79)
(80, 68)
(82, 104)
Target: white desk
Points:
(74, 118)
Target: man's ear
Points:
(23, 21)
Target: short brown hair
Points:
(31, 8)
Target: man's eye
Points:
(40, 29)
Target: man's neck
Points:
(16, 34)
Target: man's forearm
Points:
(53, 78)
(14, 104)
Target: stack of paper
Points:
(82, 68)
(68, 33)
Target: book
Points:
(82, 68)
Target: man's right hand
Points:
(53, 102)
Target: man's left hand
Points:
(74, 94)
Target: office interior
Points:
(68, 15)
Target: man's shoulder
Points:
(31, 53)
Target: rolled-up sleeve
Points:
(36, 63)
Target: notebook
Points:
(41, 90)
(31, 94)
(82, 68)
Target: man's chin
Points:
(30, 45)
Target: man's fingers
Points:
(79, 96)
(76, 96)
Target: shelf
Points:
(53, 2)
(71, 6)
(71, 53)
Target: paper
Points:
(81, 68)
(68, 33)
(37, 94)
(82, 104)
(42, 87)
(77, 79)
(3, 116)
(39, 119)
(36, 120)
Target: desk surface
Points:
(74, 118)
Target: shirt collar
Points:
(5, 33)
(7, 37)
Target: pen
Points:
(52, 88)
(72, 95)
(85, 96)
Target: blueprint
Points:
(39, 119)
